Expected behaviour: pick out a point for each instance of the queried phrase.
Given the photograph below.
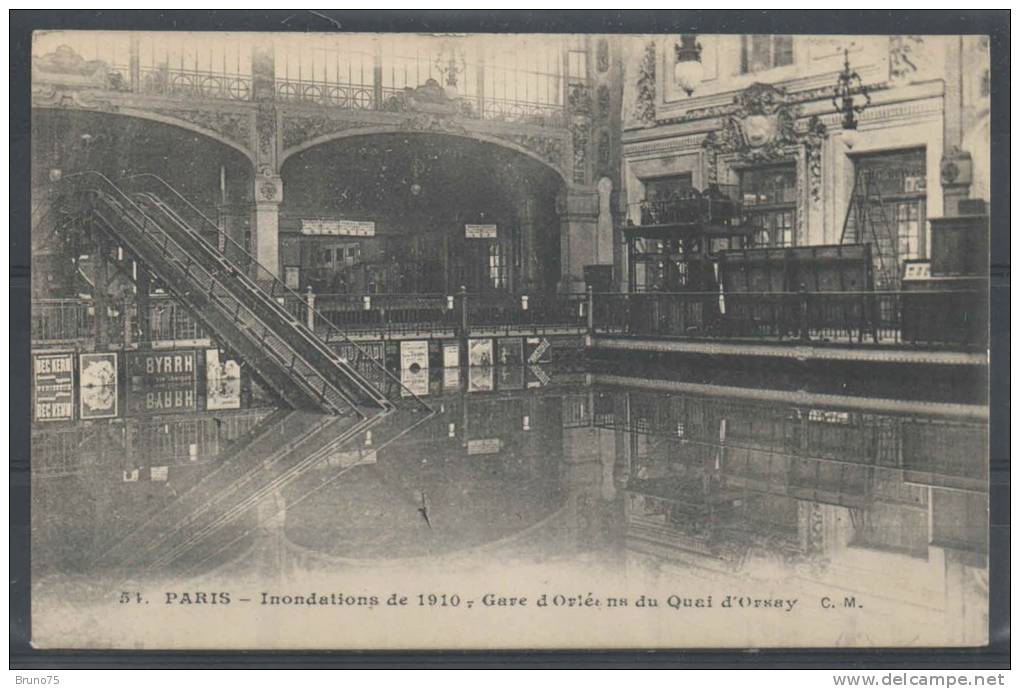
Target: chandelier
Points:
(849, 86)
(688, 70)
(451, 64)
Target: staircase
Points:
(286, 356)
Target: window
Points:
(660, 188)
(893, 184)
(760, 52)
(497, 266)
(769, 195)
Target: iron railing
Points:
(717, 205)
(266, 283)
(935, 318)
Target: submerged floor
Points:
(720, 503)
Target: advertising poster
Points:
(53, 386)
(222, 382)
(451, 379)
(480, 379)
(161, 381)
(414, 381)
(511, 351)
(480, 352)
(98, 385)
(451, 354)
(414, 355)
(538, 350)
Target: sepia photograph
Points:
(395, 341)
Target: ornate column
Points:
(955, 166)
(268, 186)
(579, 237)
(526, 224)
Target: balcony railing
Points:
(926, 319)
(511, 84)
(939, 319)
(717, 205)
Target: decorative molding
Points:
(814, 138)
(298, 130)
(644, 107)
(905, 56)
(602, 55)
(548, 148)
(604, 102)
(789, 98)
(674, 144)
(428, 122)
(233, 126)
(45, 96)
(265, 126)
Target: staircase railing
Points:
(277, 313)
(121, 203)
(278, 288)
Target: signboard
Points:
(414, 355)
(451, 354)
(480, 379)
(510, 351)
(451, 379)
(484, 446)
(98, 385)
(480, 352)
(161, 382)
(480, 231)
(538, 350)
(414, 381)
(53, 386)
(338, 228)
(222, 382)
(916, 270)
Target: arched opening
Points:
(419, 213)
(216, 177)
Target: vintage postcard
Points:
(509, 341)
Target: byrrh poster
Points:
(804, 468)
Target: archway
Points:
(436, 212)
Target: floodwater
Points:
(641, 511)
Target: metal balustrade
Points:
(955, 319)
(210, 290)
(318, 335)
(940, 319)
(500, 80)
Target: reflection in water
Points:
(712, 489)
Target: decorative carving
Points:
(581, 136)
(904, 56)
(602, 55)
(761, 128)
(427, 98)
(233, 126)
(711, 146)
(265, 125)
(297, 130)
(66, 66)
(579, 99)
(644, 109)
(548, 148)
(427, 122)
(604, 154)
(790, 100)
(50, 96)
(813, 140)
(603, 99)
